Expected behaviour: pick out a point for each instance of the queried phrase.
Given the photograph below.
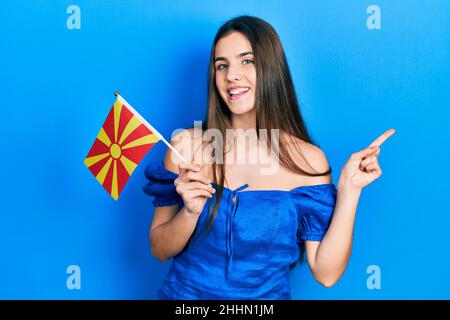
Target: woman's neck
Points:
(244, 121)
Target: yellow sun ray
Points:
(151, 138)
(117, 110)
(131, 125)
(94, 159)
(102, 174)
(114, 187)
(103, 137)
(128, 164)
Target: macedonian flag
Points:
(124, 139)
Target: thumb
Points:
(365, 152)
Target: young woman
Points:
(233, 232)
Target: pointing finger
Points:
(381, 139)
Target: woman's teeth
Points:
(238, 91)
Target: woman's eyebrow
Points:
(237, 56)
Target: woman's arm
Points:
(329, 257)
(167, 239)
(171, 228)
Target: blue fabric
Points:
(160, 185)
(253, 242)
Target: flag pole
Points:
(148, 125)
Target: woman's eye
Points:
(222, 65)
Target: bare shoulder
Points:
(314, 159)
(183, 142)
(315, 156)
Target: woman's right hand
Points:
(193, 187)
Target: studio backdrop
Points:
(359, 69)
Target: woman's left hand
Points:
(362, 168)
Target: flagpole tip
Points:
(116, 93)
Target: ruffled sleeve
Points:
(315, 207)
(160, 185)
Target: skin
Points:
(171, 229)
(232, 69)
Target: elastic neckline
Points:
(322, 185)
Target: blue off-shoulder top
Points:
(253, 244)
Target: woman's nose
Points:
(234, 73)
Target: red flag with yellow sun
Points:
(124, 139)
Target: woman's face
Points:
(235, 72)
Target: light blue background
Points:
(57, 86)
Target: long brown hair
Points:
(275, 102)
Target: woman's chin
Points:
(238, 109)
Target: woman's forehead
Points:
(232, 45)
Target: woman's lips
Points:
(239, 95)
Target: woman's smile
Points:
(237, 93)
